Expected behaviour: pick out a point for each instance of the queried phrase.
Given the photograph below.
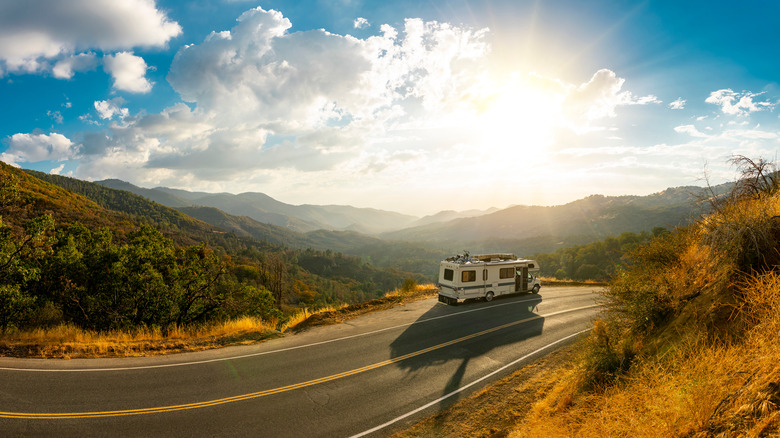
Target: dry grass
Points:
(698, 386)
(327, 316)
(552, 281)
(67, 341)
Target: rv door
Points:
(521, 279)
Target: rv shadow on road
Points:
(463, 323)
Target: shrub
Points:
(410, 284)
(607, 356)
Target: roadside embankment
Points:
(66, 342)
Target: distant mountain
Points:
(259, 207)
(448, 215)
(265, 209)
(243, 226)
(160, 197)
(591, 218)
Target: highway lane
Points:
(329, 381)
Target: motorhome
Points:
(485, 276)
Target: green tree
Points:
(20, 264)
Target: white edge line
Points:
(463, 388)
(200, 362)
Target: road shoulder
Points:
(499, 408)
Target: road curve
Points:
(369, 376)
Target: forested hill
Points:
(104, 258)
(206, 223)
(596, 216)
(119, 209)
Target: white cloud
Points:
(305, 111)
(338, 91)
(57, 170)
(361, 23)
(36, 33)
(677, 104)
(55, 115)
(128, 71)
(38, 147)
(734, 103)
(66, 67)
(690, 130)
(598, 99)
(107, 109)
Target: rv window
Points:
(467, 276)
(448, 274)
(506, 273)
(484, 274)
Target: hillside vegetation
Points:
(594, 261)
(117, 261)
(688, 344)
(595, 217)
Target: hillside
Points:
(592, 218)
(59, 247)
(265, 209)
(341, 241)
(687, 345)
(448, 215)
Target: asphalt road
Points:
(372, 375)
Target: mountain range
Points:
(390, 239)
(590, 218)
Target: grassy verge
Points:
(550, 281)
(698, 388)
(304, 320)
(496, 410)
(67, 341)
(688, 345)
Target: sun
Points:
(520, 118)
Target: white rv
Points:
(485, 276)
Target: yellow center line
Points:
(236, 398)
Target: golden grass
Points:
(68, 341)
(716, 369)
(698, 389)
(552, 281)
(334, 315)
(302, 315)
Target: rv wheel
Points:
(489, 296)
(535, 289)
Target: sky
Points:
(409, 106)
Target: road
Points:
(369, 376)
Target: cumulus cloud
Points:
(128, 71)
(36, 33)
(317, 97)
(361, 23)
(107, 109)
(598, 99)
(677, 104)
(307, 109)
(690, 130)
(32, 148)
(65, 68)
(58, 169)
(738, 104)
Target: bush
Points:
(410, 284)
(642, 295)
(603, 360)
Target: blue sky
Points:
(406, 105)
